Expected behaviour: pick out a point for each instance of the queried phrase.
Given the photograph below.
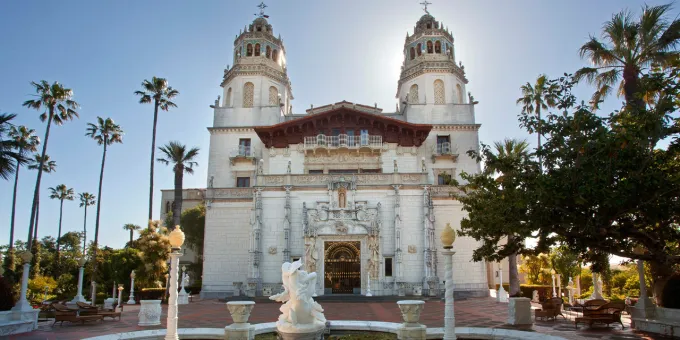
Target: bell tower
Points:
(256, 89)
(431, 86)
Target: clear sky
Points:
(341, 50)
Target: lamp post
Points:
(176, 240)
(81, 272)
(447, 237)
(501, 293)
(552, 273)
(120, 295)
(23, 304)
(131, 301)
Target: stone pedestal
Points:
(411, 329)
(109, 303)
(149, 313)
(23, 305)
(519, 311)
(182, 298)
(303, 332)
(240, 329)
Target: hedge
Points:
(150, 294)
(526, 290)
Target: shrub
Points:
(544, 292)
(6, 295)
(151, 293)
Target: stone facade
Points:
(359, 195)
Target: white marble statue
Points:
(299, 311)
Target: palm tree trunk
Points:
(96, 223)
(14, 206)
(513, 274)
(153, 150)
(631, 87)
(36, 193)
(85, 230)
(61, 210)
(131, 236)
(37, 218)
(177, 209)
(538, 132)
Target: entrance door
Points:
(342, 267)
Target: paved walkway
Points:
(482, 312)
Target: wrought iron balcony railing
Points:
(343, 141)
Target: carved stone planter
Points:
(149, 313)
(240, 329)
(411, 329)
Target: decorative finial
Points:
(262, 6)
(425, 3)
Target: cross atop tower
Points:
(425, 3)
(262, 6)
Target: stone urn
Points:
(411, 328)
(149, 313)
(240, 329)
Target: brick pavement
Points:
(482, 312)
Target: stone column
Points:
(397, 234)
(23, 305)
(256, 246)
(552, 275)
(79, 297)
(131, 301)
(558, 277)
(411, 329)
(93, 289)
(286, 225)
(172, 301)
(449, 316)
(120, 295)
(578, 284)
(644, 303)
(240, 329)
(429, 251)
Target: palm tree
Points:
(131, 227)
(26, 141)
(629, 47)
(512, 149)
(86, 199)
(182, 161)
(61, 193)
(48, 166)
(59, 107)
(105, 133)
(537, 97)
(9, 148)
(158, 92)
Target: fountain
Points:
(301, 317)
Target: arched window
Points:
(273, 96)
(413, 53)
(269, 52)
(420, 49)
(437, 47)
(459, 93)
(248, 94)
(249, 50)
(413, 94)
(275, 55)
(439, 94)
(257, 50)
(227, 100)
(429, 47)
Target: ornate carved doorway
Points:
(342, 266)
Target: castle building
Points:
(355, 193)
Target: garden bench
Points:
(63, 313)
(86, 309)
(607, 313)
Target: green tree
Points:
(608, 187)
(105, 133)
(10, 154)
(61, 193)
(536, 268)
(182, 161)
(26, 141)
(154, 245)
(86, 199)
(159, 93)
(193, 225)
(537, 97)
(48, 166)
(56, 100)
(628, 47)
(496, 200)
(565, 262)
(131, 228)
